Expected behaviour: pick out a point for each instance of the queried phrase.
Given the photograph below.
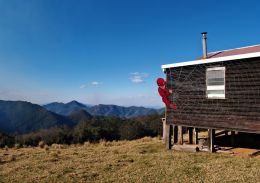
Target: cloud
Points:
(82, 86)
(95, 83)
(137, 77)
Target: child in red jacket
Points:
(164, 93)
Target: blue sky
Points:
(110, 51)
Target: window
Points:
(215, 80)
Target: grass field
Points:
(144, 160)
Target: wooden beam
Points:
(188, 148)
(221, 133)
(180, 135)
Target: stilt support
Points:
(233, 138)
(180, 135)
(196, 134)
(175, 134)
(164, 129)
(211, 139)
(168, 136)
(190, 130)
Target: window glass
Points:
(215, 80)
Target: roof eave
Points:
(212, 60)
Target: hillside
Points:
(22, 117)
(31, 120)
(79, 115)
(65, 109)
(101, 109)
(120, 111)
(144, 160)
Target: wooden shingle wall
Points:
(240, 110)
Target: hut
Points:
(220, 90)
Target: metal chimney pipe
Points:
(204, 44)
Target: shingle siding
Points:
(239, 111)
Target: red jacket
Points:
(165, 94)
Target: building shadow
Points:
(240, 139)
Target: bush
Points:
(88, 130)
(46, 147)
(17, 146)
(41, 144)
(87, 144)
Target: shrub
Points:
(25, 146)
(46, 147)
(41, 144)
(17, 146)
(55, 146)
(87, 144)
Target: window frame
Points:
(216, 87)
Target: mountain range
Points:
(101, 109)
(24, 117)
(65, 109)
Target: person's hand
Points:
(172, 106)
(170, 91)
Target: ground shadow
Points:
(242, 140)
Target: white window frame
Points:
(217, 87)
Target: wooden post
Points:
(180, 135)
(211, 139)
(164, 129)
(226, 133)
(233, 138)
(173, 133)
(175, 137)
(196, 134)
(209, 135)
(190, 130)
(168, 136)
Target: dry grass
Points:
(144, 160)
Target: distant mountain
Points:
(101, 109)
(161, 110)
(23, 117)
(77, 116)
(65, 109)
(114, 110)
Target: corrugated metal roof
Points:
(221, 56)
(236, 51)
